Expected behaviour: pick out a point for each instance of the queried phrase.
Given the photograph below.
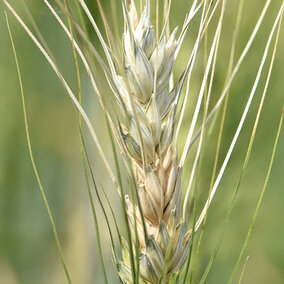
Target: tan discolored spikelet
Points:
(148, 130)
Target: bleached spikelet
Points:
(147, 127)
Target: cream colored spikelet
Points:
(148, 66)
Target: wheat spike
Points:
(147, 127)
(145, 130)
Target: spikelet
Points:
(144, 93)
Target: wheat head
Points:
(146, 131)
(149, 108)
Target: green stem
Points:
(259, 200)
(33, 161)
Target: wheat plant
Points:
(147, 109)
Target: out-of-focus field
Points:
(27, 248)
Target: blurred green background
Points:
(27, 248)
